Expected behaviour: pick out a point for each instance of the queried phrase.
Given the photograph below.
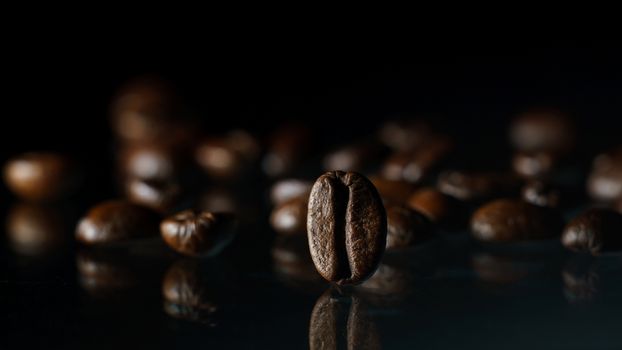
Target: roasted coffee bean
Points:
(437, 206)
(35, 229)
(41, 176)
(186, 293)
(540, 193)
(288, 147)
(286, 189)
(198, 233)
(406, 227)
(542, 130)
(355, 157)
(605, 180)
(417, 165)
(405, 136)
(229, 156)
(218, 200)
(346, 226)
(594, 231)
(117, 220)
(534, 165)
(158, 195)
(477, 187)
(508, 220)
(150, 162)
(290, 218)
(340, 322)
(396, 191)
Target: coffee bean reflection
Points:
(581, 281)
(35, 229)
(293, 265)
(499, 269)
(103, 275)
(390, 285)
(341, 322)
(186, 293)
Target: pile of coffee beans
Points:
(343, 209)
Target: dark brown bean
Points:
(417, 165)
(186, 293)
(437, 206)
(540, 193)
(218, 200)
(406, 227)
(286, 189)
(509, 220)
(405, 136)
(477, 187)
(229, 156)
(290, 218)
(158, 195)
(356, 157)
(534, 165)
(150, 162)
(117, 220)
(392, 190)
(594, 231)
(198, 233)
(41, 176)
(341, 322)
(346, 226)
(542, 130)
(288, 146)
(35, 229)
(605, 180)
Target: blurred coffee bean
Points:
(41, 176)
(542, 130)
(186, 292)
(356, 157)
(218, 200)
(605, 180)
(594, 231)
(150, 162)
(581, 281)
(416, 165)
(437, 206)
(292, 263)
(541, 194)
(286, 189)
(405, 136)
(228, 156)
(117, 220)
(511, 220)
(396, 191)
(35, 229)
(287, 148)
(341, 322)
(196, 233)
(477, 187)
(158, 195)
(148, 110)
(290, 218)
(406, 227)
(534, 165)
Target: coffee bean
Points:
(186, 294)
(405, 136)
(290, 218)
(198, 233)
(150, 162)
(437, 206)
(286, 189)
(41, 176)
(116, 220)
(540, 193)
(339, 322)
(356, 157)
(542, 130)
(509, 220)
(229, 156)
(158, 195)
(417, 165)
(406, 227)
(396, 191)
(594, 231)
(346, 226)
(477, 186)
(35, 229)
(534, 165)
(218, 200)
(605, 180)
(287, 149)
